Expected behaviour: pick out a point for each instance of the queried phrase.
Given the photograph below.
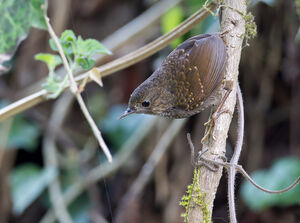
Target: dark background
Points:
(269, 79)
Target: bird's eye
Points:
(146, 104)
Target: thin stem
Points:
(106, 169)
(74, 90)
(157, 44)
(241, 170)
(61, 107)
(73, 85)
(236, 155)
(244, 173)
(160, 149)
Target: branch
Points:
(106, 169)
(241, 170)
(208, 180)
(232, 167)
(74, 90)
(116, 65)
(146, 172)
(50, 159)
(236, 155)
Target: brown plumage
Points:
(186, 82)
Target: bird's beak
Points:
(127, 112)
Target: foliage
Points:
(17, 17)
(23, 134)
(176, 15)
(282, 174)
(18, 137)
(78, 53)
(79, 209)
(28, 181)
(170, 20)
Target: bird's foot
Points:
(211, 122)
(200, 160)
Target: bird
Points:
(188, 80)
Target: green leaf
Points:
(67, 41)
(79, 209)
(17, 17)
(209, 25)
(67, 47)
(85, 63)
(89, 47)
(284, 172)
(38, 7)
(23, 134)
(53, 45)
(68, 37)
(51, 60)
(28, 182)
(170, 20)
(55, 85)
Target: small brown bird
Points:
(187, 81)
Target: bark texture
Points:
(207, 182)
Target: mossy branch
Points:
(233, 27)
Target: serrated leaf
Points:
(90, 47)
(28, 181)
(67, 40)
(17, 16)
(67, 47)
(51, 60)
(85, 63)
(67, 37)
(284, 172)
(170, 20)
(23, 134)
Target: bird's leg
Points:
(211, 122)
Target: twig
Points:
(241, 170)
(49, 154)
(115, 65)
(236, 155)
(74, 90)
(106, 169)
(238, 168)
(147, 169)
